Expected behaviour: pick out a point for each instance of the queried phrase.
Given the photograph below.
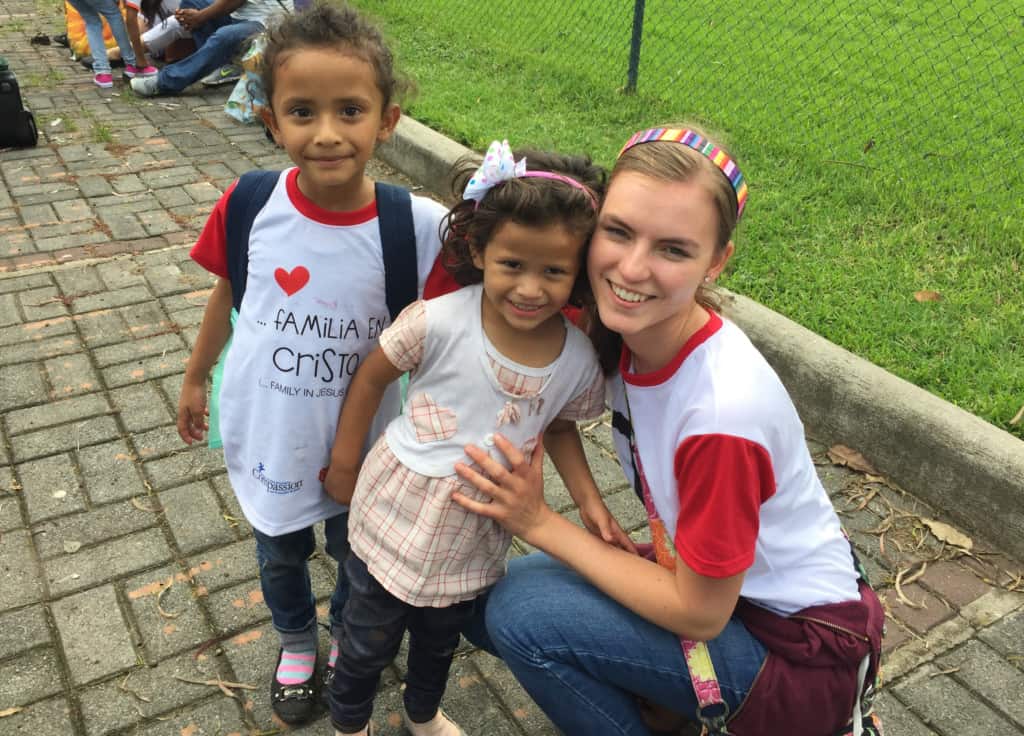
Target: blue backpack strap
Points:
(247, 199)
(398, 244)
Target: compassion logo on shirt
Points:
(275, 486)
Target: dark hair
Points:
(670, 162)
(529, 201)
(152, 9)
(332, 27)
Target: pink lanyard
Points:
(712, 710)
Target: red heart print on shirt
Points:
(292, 282)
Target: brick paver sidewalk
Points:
(129, 600)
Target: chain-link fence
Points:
(930, 91)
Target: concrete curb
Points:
(946, 456)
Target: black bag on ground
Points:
(17, 125)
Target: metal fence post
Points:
(634, 47)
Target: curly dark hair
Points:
(337, 27)
(531, 202)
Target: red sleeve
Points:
(722, 482)
(439, 281)
(211, 250)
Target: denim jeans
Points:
(284, 577)
(374, 622)
(584, 658)
(217, 43)
(91, 10)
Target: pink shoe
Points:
(132, 71)
(103, 80)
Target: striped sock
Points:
(332, 658)
(295, 668)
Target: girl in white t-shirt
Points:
(497, 356)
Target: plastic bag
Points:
(248, 97)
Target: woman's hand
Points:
(516, 494)
(599, 521)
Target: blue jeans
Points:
(584, 658)
(217, 43)
(374, 622)
(91, 10)
(284, 578)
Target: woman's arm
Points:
(563, 444)
(131, 22)
(688, 604)
(214, 332)
(361, 403)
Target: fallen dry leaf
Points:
(927, 296)
(843, 455)
(70, 547)
(9, 711)
(945, 533)
(1015, 421)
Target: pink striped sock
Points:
(333, 656)
(295, 667)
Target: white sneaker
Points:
(145, 86)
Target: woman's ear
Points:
(719, 261)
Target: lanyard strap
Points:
(712, 710)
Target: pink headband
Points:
(499, 165)
(701, 145)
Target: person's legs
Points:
(110, 10)
(433, 637)
(163, 34)
(94, 34)
(585, 658)
(288, 593)
(373, 625)
(213, 52)
(336, 534)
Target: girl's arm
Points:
(361, 403)
(131, 22)
(690, 605)
(562, 441)
(213, 335)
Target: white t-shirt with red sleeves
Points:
(313, 308)
(724, 454)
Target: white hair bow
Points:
(499, 165)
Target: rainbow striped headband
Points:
(703, 146)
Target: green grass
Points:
(102, 133)
(838, 234)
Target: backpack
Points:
(394, 217)
(398, 247)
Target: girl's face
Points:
(653, 247)
(529, 273)
(328, 113)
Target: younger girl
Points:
(311, 301)
(498, 355)
(751, 617)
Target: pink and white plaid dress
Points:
(420, 545)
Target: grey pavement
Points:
(129, 597)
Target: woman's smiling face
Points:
(655, 243)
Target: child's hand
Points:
(599, 521)
(192, 411)
(340, 483)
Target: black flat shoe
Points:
(293, 704)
